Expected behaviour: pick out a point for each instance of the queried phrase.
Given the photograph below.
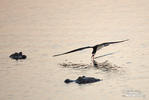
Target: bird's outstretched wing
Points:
(73, 51)
(108, 43)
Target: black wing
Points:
(73, 51)
(108, 43)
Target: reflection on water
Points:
(105, 66)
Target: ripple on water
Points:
(105, 66)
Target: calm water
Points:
(43, 28)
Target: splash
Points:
(74, 66)
(105, 66)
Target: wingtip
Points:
(53, 55)
(56, 55)
(126, 40)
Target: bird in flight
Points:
(95, 48)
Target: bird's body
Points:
(95, 48)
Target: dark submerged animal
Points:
(18, 56)
(83, 80)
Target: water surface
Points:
(43, 28)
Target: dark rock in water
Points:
(83, 80)
(18, 56)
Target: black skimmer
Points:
(95, 48)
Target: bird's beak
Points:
(92, 57)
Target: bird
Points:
(95, 48)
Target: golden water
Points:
(43, 28)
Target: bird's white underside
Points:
(99, 47)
